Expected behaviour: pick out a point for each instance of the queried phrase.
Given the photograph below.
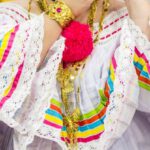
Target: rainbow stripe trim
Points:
(53, 115)
(142, 69)
(109, 86)
(91, 124)
(6, 44)
(5, 48)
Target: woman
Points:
(61, 84)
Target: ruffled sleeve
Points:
(20, 48)
(128, 83)
(121, 89)
(142, 65)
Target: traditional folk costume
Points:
(114, 82)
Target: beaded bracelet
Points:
(57, 10)
(60, 12)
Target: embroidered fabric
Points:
(123, 101)
(11, 111)
(32, 51)
(31, 31)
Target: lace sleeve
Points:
(20, 49)
(142, 65)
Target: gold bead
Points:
(72, 78)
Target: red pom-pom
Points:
(79, 42)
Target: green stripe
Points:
(144, 85)
(101, 92)
(55, 102)
(92, 113)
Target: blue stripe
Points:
(145, 74)
(110, 84)
(53, 113)
(0, 42)
(140, 68)
(138, 65)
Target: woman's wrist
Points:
(58, 11)
(61, 13)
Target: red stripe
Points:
(106, 91)
(114, 32)
(116, 21)
(94, 118)
(52, 124)
(109, 35)
(10, 16)
(91, 138)
(16, 12)
(137, 71)
(119, 29)
(84, 140)
(53, 107)
(145, 80)
(114, 62)
(137, 52)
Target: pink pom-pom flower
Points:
(79, 42)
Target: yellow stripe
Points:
(53, 119)
(142, 61)
(5, 43)
(136, 58)
(8, 88)
(86, 133)
(145, 69)
(112, 75)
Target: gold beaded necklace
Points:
(66, 78)
(92, 14)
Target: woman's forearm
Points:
(139, 11)
(52, 31)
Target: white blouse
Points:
(30, 100)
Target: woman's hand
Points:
(79, 6)
(139, 11)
